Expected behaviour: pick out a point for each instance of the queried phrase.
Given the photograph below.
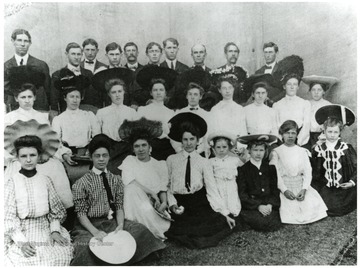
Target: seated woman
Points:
(257, 185)
(98, 198)
(260, 118)
(115, 83)
(318, 85)
(292, 107)
(33, 211)
(144, 177)
(158, 80)
(75, 127)
(200, 216)
(300, 203)
(335, 162)
(23, 82)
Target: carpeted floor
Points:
(329, 241)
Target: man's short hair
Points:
(151, 44)
(230, 44)
(172, 40)
(196, 45)
(131, 44)
(271, 44)
(90, 41)
(16, 32)
(113, 46)
(72, 45)
(195, 85)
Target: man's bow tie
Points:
(89, 62)
(194, 109)
(268, 67)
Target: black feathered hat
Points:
(146, 74)
(178, 122)
(99, 79)
(69, 82)
(290, 65)
(24, 77)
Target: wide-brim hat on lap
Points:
(69, 82)
(49, 138)
(258, 137)
(341, 112)
(20, 75)
(99, 79)
(130, 131)
(222, 133)
(329, 81)
(176, 125)
(115, 248)
(288, 66)
(266, 79)
(146, 74)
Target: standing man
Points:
(73, 53)
(171, 48)
(270, 53)
(131, 52)
(198, 53)
(154, 53)
(90, 47)
(113, 53)
(21, 40)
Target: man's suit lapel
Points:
(275, 68)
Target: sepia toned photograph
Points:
(180, 133)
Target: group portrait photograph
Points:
(179, 133)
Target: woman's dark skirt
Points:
(146, 243)
(339, 201)
(258, 222)
(199, 226)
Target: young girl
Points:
(33, 212)
(300, 203)
(257, 185)
(225, 167)
(334, 162)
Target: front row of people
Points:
(199, 193)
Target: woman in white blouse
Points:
(75, 127)
(158, 82)
(292, 107)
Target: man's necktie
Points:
(108, 191)
(194, 109)
(89, 62)
(268, 67)
(188, 175)
(22, 62)
(172, 65)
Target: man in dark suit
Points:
(21, 40)
(90, 49)
(171, 48)
(131, 53)
(73, 52)
(198, 53)
(270, 53)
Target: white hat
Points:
(329, 81)
(116, 248)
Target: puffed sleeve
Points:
(12, 227)
(274, 129)
(213, 196)
(99, 116)
(81, 201)
(274, 160)
(351, 162)
(307, 171)
(170, 196)
(242, 123)
(95, 125)
(128, 167)
(56, 125)
(318, 170)
(304, 133)
(164, 175)
(246, 201)
(57, 212)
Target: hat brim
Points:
(116, 248)
(196, 75)
(99, 79)
(267, 79)
(335, 110)
(224, 134)
(146, 74)
(329, 81)
(49, 139)
(258, 137)
(21, 75)
(176, 131)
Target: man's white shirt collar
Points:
(18, 59)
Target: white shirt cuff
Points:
(353, 183)
(55, 226)
(18, 237)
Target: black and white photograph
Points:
(180, 133)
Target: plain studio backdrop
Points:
(323, 34)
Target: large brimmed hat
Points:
(258, 137)
(115, 248)
(266, 79)
(329, 81)
(21, 75)
(130, 131)
(288, 66)
(99, 79)
(221, 133)
(146, 74)
(49, 138)
(69, 82)
(176, 125)
(335, 110)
